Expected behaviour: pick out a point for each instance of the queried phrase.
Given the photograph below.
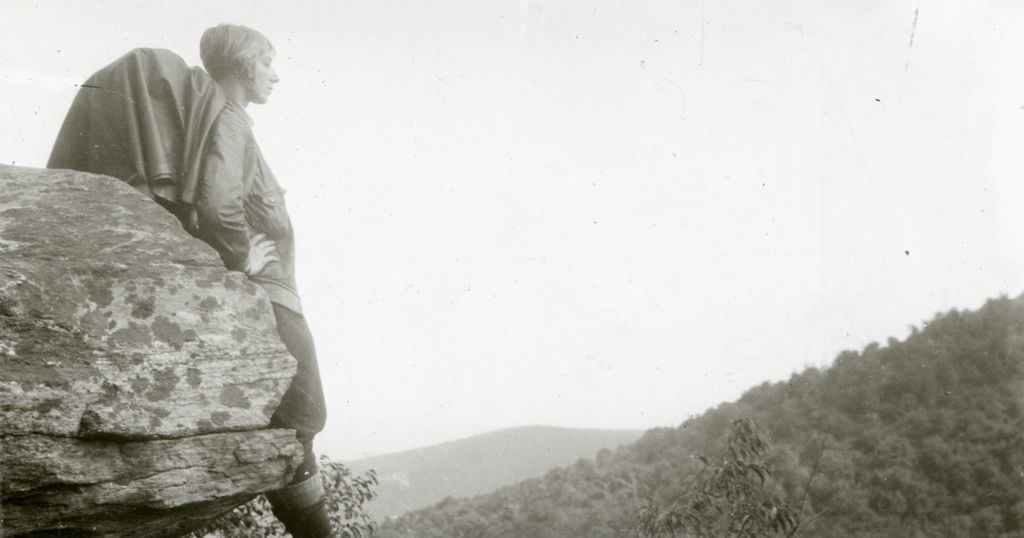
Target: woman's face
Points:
(263, 79)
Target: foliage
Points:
(727, 497)
(924, 437)
(347, 495)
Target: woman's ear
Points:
(242, 73)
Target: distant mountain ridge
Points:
(480, 464)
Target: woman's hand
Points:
(261, 252)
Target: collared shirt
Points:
(239, 197)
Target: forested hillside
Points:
(917, 438)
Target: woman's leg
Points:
(300, 505)
(302, 408)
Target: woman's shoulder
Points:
(233, 122)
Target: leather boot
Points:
(300, 507)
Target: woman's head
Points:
(231, 51)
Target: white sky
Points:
(597, 214)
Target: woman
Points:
(240, 211)
(186, 140)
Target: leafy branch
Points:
(728, 497)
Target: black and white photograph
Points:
(512, 269)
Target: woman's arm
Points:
(220, 209)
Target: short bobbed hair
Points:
(233, 49)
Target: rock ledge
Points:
(137, 375)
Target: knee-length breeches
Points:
(302, 407)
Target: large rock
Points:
(137, 375)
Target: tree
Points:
(728, 497)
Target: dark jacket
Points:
(145, 119)
(239, 197)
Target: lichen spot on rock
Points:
(258, 310)
(193, 377)
(232, 282)
(134, 335)
(220, 417)
(48, 405)
(164, 382)
(142, 308)
(170, 332)
(139, 385)
(209, 304)
(250, 288)
(232, 396)
(99, 292)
